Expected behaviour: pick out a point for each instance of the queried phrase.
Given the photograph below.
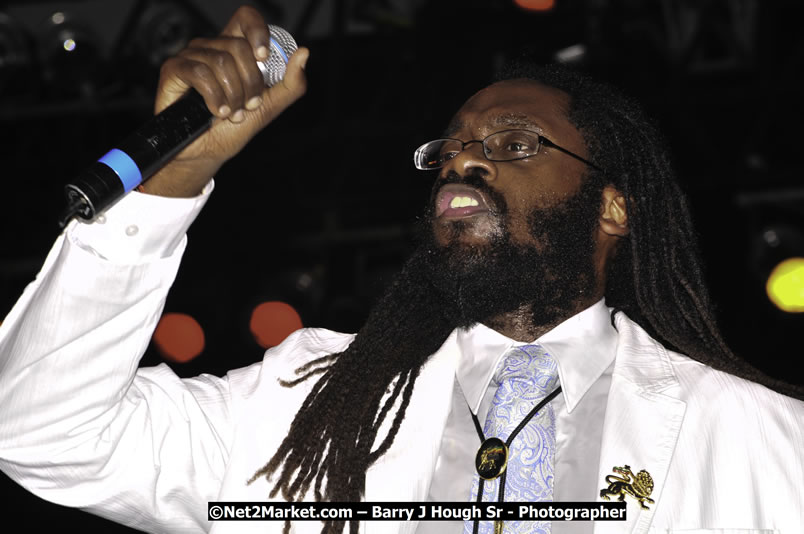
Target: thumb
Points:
(295, 78)
(292, 86)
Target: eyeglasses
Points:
(506, 145)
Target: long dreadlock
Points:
(335, 430)
(656, 278)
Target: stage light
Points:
(271, 322)
(571, 55)
(70, 54)
(178, 337)
(785, 286)
(778, 262)
(535, 5)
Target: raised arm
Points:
(224, 71)
(79, 423)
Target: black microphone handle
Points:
(147, 150)
(137, 157)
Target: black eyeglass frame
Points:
(543, 141)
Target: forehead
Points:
(515, 104)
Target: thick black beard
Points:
(547, 280)
(440, 288)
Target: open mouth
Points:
(457, 200)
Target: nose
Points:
(471, 160)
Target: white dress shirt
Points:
(584, 347)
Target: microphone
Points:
(156, 142)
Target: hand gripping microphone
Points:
(148, 149)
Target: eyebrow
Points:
(514, 120)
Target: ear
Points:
(613, 214)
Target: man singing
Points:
(552, 324)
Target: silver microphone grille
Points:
(282, 47)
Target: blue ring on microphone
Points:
(124, 167)
(279, 49)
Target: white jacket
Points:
(81, 426)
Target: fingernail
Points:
(253, 103)
(224, 110)
(304, 61)
(238, 116)
(262, 53)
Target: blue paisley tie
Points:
(526, 375)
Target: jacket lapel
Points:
(643, 420)
(403, 474)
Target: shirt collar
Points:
(584, 346)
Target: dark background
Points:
(317, 210)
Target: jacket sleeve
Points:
(80, 425)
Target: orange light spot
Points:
(271, 322)
(179, 337)
(535, 5)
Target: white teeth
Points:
(462, 202)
